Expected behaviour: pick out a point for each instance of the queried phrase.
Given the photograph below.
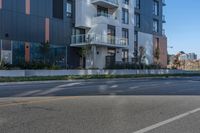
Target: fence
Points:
(31, 73)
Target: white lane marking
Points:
(28, 93)
(147, 129)
(58, 88)
(114, 86)
(134, 87)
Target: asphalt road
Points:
(101, 106)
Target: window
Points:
(126, 2)
(155, 26)
(125, 36)
(102, 11)
(111, 34)
(156, 8)
(157, 42)
(125, 55)
(135, 46)
(137, 20)
(69, 9)
(136, 37)
(137, 4)
(125, 16)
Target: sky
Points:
(183, 26)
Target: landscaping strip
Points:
(49, 78)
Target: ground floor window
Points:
(125, 55)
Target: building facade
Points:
(189, 56)
(149, 31)
(87, 33)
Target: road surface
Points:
(101, 106)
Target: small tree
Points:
(45, 47)
(176, 62)
(2, 65)
(142, 52)
(157, 54)
(84, 51)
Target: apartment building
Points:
(149, 30)
(107, 26)
(26, 25)
(87, 33)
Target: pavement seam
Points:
(35, 101)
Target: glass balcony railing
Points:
(164, 3)
(163, 32)
(163, 18)
(106, 15)
(110, 3)
(98, 39)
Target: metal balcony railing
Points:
(98, 39)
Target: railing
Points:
(163, 32)
(109, 1)
(105, 15)
(98, 39)
(164, 3)
(163, 18)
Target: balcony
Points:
(97, 39)
(164, 3)
(106, 3)
(109, 16)
(103, 18)
(163, 32)
(163, 19)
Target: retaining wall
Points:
(30, 73)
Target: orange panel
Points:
(28, 7)
(27, 52)
(47, 21)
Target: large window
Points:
(102, 11)
(137, 20)
(111, 34)
(125, 55)
(137, 4)
(155, 26)
(125, 16)
(156, 8)
(135, 46)
(125, 36)
(69, 9)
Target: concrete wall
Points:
(30, 73)
(12, 73)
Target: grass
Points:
(49, 78)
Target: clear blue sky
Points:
(183, 25)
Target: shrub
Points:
(3, 65)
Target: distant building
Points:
(184, 61)
(183, 57)
(189, 56)
(192, 56)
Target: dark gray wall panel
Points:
(146, 16)
(31, 27)
(14, 5)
